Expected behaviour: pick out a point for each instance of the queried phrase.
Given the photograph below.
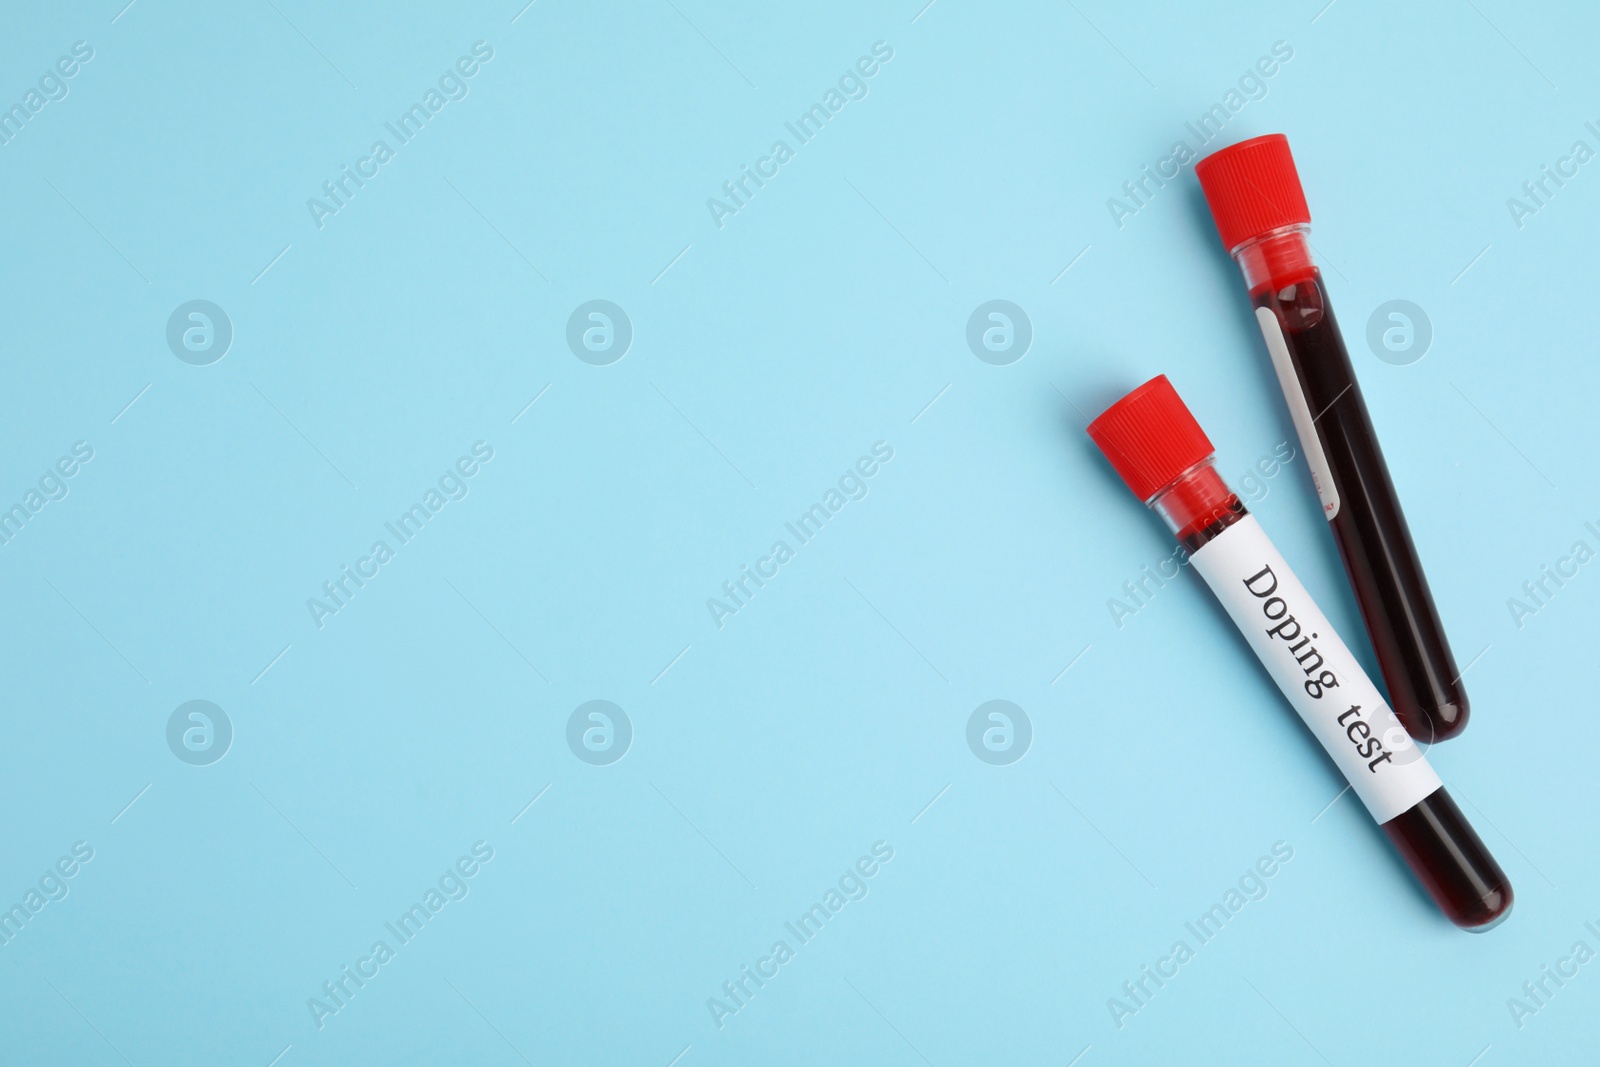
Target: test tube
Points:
(1261, 213)
(1159, 449)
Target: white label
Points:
(1304, 424)
(1291, 636)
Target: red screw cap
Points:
(1150, 437)
(1253, 188)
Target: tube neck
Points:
(1194, 500)
(1276, 259)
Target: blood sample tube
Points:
(1260, 210)
(1165, 457)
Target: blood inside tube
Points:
(1449, 859)
(1368, 526)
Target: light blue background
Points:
(825, 716)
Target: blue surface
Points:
(373, 346)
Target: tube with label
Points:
(1260, 210)
(1165, 457)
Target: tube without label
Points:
(1255, 197)
(1165, 457)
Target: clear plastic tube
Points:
(1154, 442)
(1256, 199)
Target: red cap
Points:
(1252, 188)
(1150, 437)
